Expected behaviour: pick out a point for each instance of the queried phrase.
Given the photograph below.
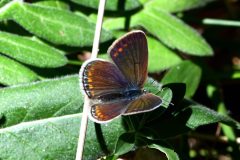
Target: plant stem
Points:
(221, 22)
(84, 121)
(73, 62)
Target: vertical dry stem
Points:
(84, 121)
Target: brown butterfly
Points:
(116, 88)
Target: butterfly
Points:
(116, 88)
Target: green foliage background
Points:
(40, 99)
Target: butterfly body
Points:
(129, 94)
(116, 88)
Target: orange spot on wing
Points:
(90, 86)
(115, 54)
(120, 49)
(99, 114)
(125, 45)
(90, 80)
(89, 73)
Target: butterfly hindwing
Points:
(130, 54)
(105, 112)
(145, 103)
(99, 78)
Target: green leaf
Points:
(215, 95)
(202, 115)
(172, 31)
(3, 2)
(55, 138)
(160, 57)
(30, 51)
(167, 150)
(54, 3)
(187, 117)
(39, 100)
(166, 94)
(114, 23)
(228, 131)
(125, 143)
(176, 5)
(46, 99)
(187, 73)
(12, 72)
(55, 25)
(143, 1)
(111, 5)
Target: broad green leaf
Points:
(30, 51)
(12, 72)
(56, 138)
(143, 1)
(172, 31)
(176, 5)
(187, 73)
(111, 5)
(160, 57)
(44, 99)
(54, 3)
(202, 116)
(125, 143)
(40, 100)
(187, 117)
(167, 150)
(114, 23)
(55, 25)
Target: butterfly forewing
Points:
(145, 103)
(130, 54)
(99, 78)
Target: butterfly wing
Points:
(99, 78)
(105, 112)
(130, 54)
(145, 103)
